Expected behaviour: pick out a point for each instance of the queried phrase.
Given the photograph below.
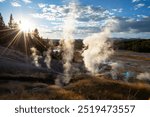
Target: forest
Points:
(137, 45)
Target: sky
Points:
(48, 16)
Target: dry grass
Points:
(83, 87)
(135, 57)
(99, 88)
(32, 91)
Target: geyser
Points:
(35, 57)
(68, 41)
(47, 55)
(98, 48)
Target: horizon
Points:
(49, 16)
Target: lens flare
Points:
(26, 25)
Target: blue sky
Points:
(48, 16)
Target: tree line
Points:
(137, 45)
(11, 24)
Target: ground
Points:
(37, 83)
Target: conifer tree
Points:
(36, 33)
(2, 24)
(11, 22)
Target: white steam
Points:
(35, 57)
(98, 48)
(68, 40)
(116, 70)
(144, 76)
(47, 59)
(47, 55)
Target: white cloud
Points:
(127, 35)
(142, 16)
(54, 32)
(130, 20)
(27, 1)
(90, 19)
(131, 30)
(117, 10)
(148, 7)
(51, 12)
(86, 13)
(2, 0)
(139, 6)
(114, 10)
(15, 4)
(42, 5)
(135, 0)
(120, 10)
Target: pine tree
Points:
(36, 33)
(11, 22)
(2, 24)
(15, 25)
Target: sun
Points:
(26, 25)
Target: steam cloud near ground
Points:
(98, 48)
(47, 55)
(35, 57)
(144, 76)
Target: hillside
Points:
(84, 88)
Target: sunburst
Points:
(26, 25)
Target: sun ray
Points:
(26, 44)
(26, 25)
(5, 30)
(10, 43)
(9, 34)
(40, 42)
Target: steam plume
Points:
(116, 70)
(35, 57)
(144, 76)
(98, 48)
(47, 59)
(68, 40)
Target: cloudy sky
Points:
(48, 16)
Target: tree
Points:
(36, 33)
(11, 22)
(2, 24)
(15, 25)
